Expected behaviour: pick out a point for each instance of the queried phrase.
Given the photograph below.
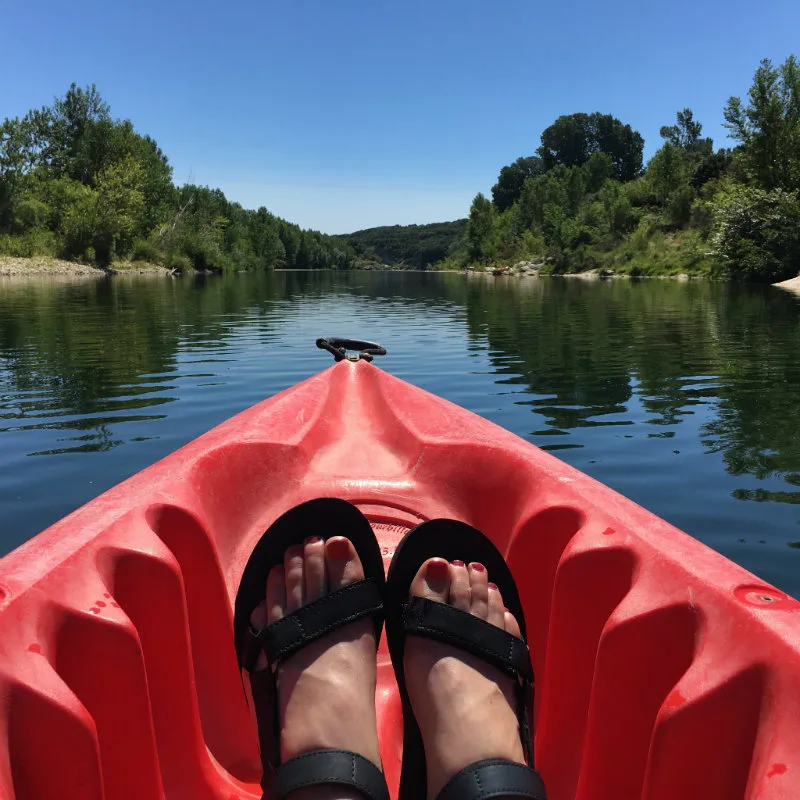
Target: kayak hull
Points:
(663, 670)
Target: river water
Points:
(684, 397)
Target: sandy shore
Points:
(26, 267)
(793, 284)
(45, 266)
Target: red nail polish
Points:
(457, 563)
(493, 586)
(313, 540)
(339, 547)
(478, 567)
(438, 569)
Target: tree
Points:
(597, 170)
(666, 171)
(713, 166)
(685, 135)
(480, 229)
(768, 126)
(509, 184)
(69, 119)
(572, 139)
(120, 207)
(757, 233)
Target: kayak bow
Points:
(663, 670)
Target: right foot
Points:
(465, 707)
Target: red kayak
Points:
(663, 670)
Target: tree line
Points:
(78, 184)
(407, 246)
(585, 200)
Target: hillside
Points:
(413, 246)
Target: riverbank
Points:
(792, 285)
(42, 265)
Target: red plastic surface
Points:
(663, 670)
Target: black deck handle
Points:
(338, 346)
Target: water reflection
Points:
(683, 396)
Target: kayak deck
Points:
(663, 670)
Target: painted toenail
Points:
(493, 586)
(457, 563)
(438, 569)
(339, 547)
(313, 540)
(477, 567)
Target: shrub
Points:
(179, 262)
(146, 250)
(32, 243)
(757, 234)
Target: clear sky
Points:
(344, 114)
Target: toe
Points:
(258, 619)
(432, 580)
(342, 564)
(314, 569)
(479, 590)
(276, 595)
(459, 585)
(293, 567)
(496, 611)
(511, 624)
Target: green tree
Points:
(666, 171)
(480, 229)
(573, 138)
(757, 233)
(685, 133)
(120, 208)
(768, 125)
(509, 184)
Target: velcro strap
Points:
(495, 777)
(251, 649)
(308, 623)
(423, 617)
(326, 768)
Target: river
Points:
(684, 397)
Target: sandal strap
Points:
(335, 610)
(330, 767)
(445, 623)
(494, 777)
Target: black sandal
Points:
(418, 616)
(326, 517)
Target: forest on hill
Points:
(77, 184)
(585, 200)
(410, 246)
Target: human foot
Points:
(326, 690)
(465, 707)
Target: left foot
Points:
(326, 691)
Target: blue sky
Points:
(344, 114)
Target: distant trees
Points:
(417, 246)
(479, 229)
(76, 183)
(573, 138)
(757, 230)
(509, 184)
(583, 200)
(768, 126)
